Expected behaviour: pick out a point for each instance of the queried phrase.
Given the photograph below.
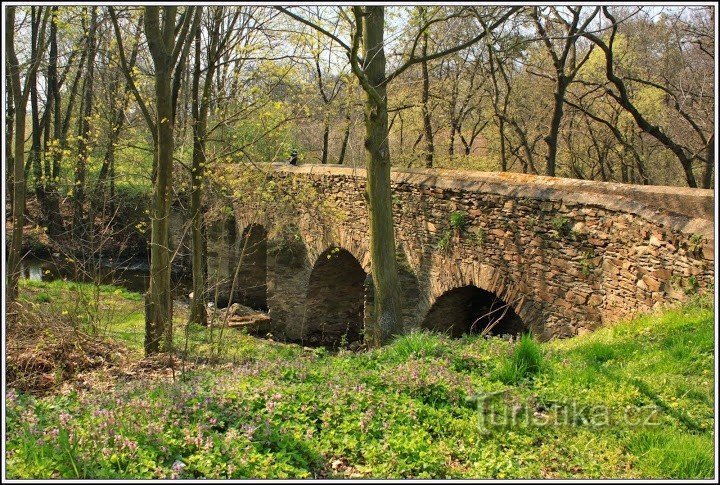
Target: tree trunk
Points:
(377, 159)
(19, 157)
(707, 176)
(198, 310)
(552, 138)
(9, 129)
(158, 323)
(427, 125)
(503, 152)
(84, 130)
(346, 138)
(53, 218)
(623, 99)
(451, 140)
(326, 142)
(36, 138)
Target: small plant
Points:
(459, 220)
(688, 285)
(43, 298)
(480, 236)
(694, 243)
(561, 225)
(417, 344)
(343, 341)
(586, 262)
(692, 285)
(333, 252)
(443, 243)
(525, 361)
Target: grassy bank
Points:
(632, 400)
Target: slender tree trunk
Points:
(326, 142)
(707, 176)
(198, 310)
(53, 216)
(377, 158)
(84, 129)
(9, 128)
(503, 153)
(427, 124)
(36, 136)
(552, 138)
(451, 140)
(623, 99)
(19, 157)
(346, 138)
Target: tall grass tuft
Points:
(417, 344)
(525, 361)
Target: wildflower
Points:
(10, 397)
(249, 430)
(64, 418)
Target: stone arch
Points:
(485, 277)
(469, 309)
(319, 239)
(335, 300)
(251, 285)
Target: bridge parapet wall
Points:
(567, 255)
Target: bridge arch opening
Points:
(251, 286)
(335, 297)
(469, 309)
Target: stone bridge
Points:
(555, 256)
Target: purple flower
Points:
(64, 418)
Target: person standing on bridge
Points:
(293, 158)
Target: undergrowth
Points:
(632, 400)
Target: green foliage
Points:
(670, 453)
(480, 236)
(445, 240)
(417, 344)
(459, 220)
(695, 243)
(407, 410)
(586, 262)
(688, 285)
(561, 225)
(525, 361)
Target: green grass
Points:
(632, 400)
(525, 361)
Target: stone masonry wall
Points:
(567, 255)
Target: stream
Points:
(133, 274)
